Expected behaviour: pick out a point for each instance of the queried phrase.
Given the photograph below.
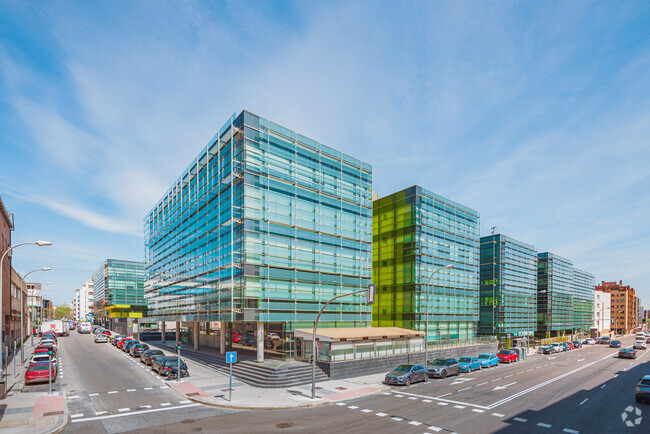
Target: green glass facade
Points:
(264, 225)
(508, 304)
(118, 289)
(416, 232)
(584, 289)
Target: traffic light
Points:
(371, 294)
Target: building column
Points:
(222, 338)
(162, 331)
(195, 330)
(178, 332)
(260, 341)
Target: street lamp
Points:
(36, 243)
(426, 331)
(22, 338)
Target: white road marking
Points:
(497, 379)
(498, 414)
(459, 406)
(481, 384)
(76, 415)
(164, 387)
(528, 370)
(122, 410)
(130, 390)
(73, 397)
(519, 373)
(167, 404)
(145, 406)
(443, 403)
(435, 428)
(413, 422)
(397, 418)
(580, 360)
(399, 396)
(427, 401)
(478, 410)
(460, 390)
(97, 413)
(352, 407)
(543, 425)
(586, 399)
(341, 403)
(112, 392)
(133, 412)
(570, 431)
(381, 414)
(148, 388)
(187, 401)
(508, 375)
(366, 411)
(518, 419)
(442, 396)
(93, 394)
(386, 393)
(603, 386)
(412, 398)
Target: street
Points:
(109, 391)
(583, 390)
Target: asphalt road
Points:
(109, 391)
(584, 390)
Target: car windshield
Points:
(615, 342)
(403, 368)
(33, 368)
(505, 352)
(465, 359)
(172, 362)
(483, 356)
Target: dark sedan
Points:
(443, 367)
(114, 338)
(407, 374)
(627, 353)
(615, 344)
(138, 349)
(147, 356)
(163, 365)
(577, 344)
(127, 346)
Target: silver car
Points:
(100, 338)
(407, 374)
(443, 367)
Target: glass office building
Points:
(508, 304)
(264, 226)
(415, 232)
(119, 290)
(584, 294)
(554, 293)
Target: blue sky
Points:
(536, 114)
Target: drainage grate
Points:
(282, 425)
(53, 413)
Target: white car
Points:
(557, 347)
(640, 345)
(101, 339)
(49, 341)
(43, 358)
(590, 341)
(273, 336)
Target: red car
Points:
(508, 356)
(38, 372)
(123, 342)
(44, 349)
(571, 346)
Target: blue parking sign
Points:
(231, 357)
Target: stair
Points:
(268, 374)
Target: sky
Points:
(535, 114)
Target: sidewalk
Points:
(29, 412)
(208, 385)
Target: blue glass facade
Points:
(118, 289)
(416, 232)
(584, 293)
(264, 225)
(508, 287)
(554, 293)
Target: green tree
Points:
(62, 311)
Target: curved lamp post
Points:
(426, 331)
(22, 338)
(36, 243)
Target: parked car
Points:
(101, 338)
(84, 328)
(566, 346)
(44, 358)
(127, 346)
(138, 349)
(546, 349)
(443, 367)
(507, 356)
(627, 353)
(46, 347)
(113, 338)
(557, 347)
(123, 342)
(106, 333)
(49, 341)
(569, 344)
(273, 336)
(147, 356)
(407, 374)
(50, 335)
(604, 340)
(577, 344)
(39, 372)
(162, 364)
(117, 340)
(615, 344)
(250, 342)
(488, 360)
(640, 345)
(469, 364)
(589, 341)
(643, 388)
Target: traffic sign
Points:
(231, 357)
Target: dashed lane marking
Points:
(603, 386)
(460, 390)
(399, 396)
(352, 407)
(112, 392)
(130, 390)
(478, 410)
(167, 404)
(442, 396)
(122, 410)
(98, 413)
(507, 376)
(518, 419)
(381, 414)
(397, 418)
(586, 399)
(386, 393)
(148, 388)
(73, 397)
(443, 403)
(187, 401)
(76, 415)
(498, 414)
(366, 411)
(481, 384)
(416, 423)
(435, 428)
(93, 394)
(412, 398)
(145, 406)
(341, 403)
(427, 401)
(543, 425)
(459, 406)
(570, 431)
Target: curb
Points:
(276, 407)
(65, 419)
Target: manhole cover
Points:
(187, 421)
(284, 425)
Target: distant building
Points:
(624, 309)
(416, 232)
(118, 292)
(583, 289)
(602, 312)
(34, 303)
(83, 302)
(508, 305)
(6, 226)
(18, 307)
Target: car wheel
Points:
(443, 374)
(469, 370)
(426, 378)
(637, 399)
(407, 381)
